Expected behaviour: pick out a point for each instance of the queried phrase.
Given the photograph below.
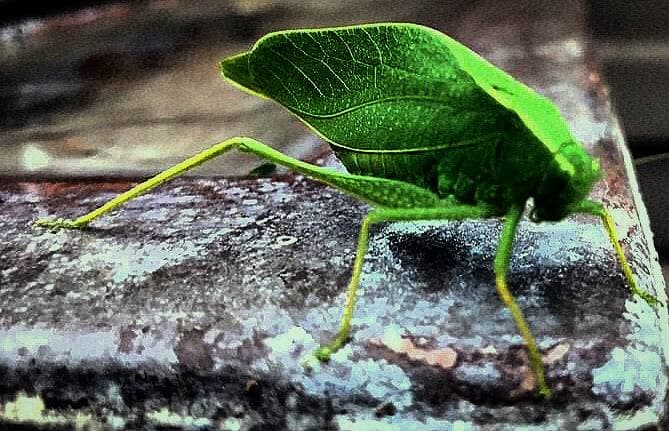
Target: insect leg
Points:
(377, 191)
(502, 259)
(379, 215)
(597, 209)
(323, 353)
(455, 212)
(163, 177)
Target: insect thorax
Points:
(566, 182)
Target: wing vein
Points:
(299, 70)
(336, 75)
(444, 146)
(370, 103)
(376, 45)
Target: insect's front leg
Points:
(597, 209)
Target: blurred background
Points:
(631, 43)
(127, 88)
(123, 89)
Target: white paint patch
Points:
(124, 262)
(564, 241)
(287, 343)
(293, 348)
(169, 418)
(627, 371)
(396, 423)
(38, 342)
(129, 262)
(17, 342)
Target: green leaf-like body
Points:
(407, 102)
(375, 87)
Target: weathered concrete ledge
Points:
(194, 306)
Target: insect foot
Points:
(60, 223)
(650, 299)
(312, 362)
(323, 354)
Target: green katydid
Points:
(427, 130)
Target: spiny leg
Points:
(502, 260)
(456, 212)
(377, 191)
(597, 209)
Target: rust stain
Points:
(444, 357)
(126, 340)
(192, 351)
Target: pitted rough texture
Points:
(192, 300)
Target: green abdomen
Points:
(495, 172)
(415, 168)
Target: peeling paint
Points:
(444, 357)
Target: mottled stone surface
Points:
(204, 298)
(195, 306)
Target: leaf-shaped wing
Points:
(391, 88)
(236, 70)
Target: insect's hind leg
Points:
(379, 191)
(139, 189)
(597, 209)
(241, 143)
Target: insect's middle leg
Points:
(455, 212)
(502, 259)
